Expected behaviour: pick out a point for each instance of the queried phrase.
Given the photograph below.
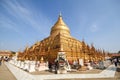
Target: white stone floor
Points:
(22, 75)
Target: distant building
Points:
(115, 55)
(5, 54)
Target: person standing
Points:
(56, 66)
(0, 61)
(115, 61)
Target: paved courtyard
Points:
(10, 72)
(5, 73)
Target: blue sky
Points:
(24, 22)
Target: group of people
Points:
(2, 59)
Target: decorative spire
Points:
(60, 27)
(60, 15)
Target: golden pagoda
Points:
(60, 40)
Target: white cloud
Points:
(24, 14)
(8, 24)
(94, 28)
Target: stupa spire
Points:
(60, 27)
(60, 14)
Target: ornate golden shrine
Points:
(60, 39)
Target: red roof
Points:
(115, 54)
(5, 53)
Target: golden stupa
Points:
(61, 40)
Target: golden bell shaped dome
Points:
(60, 27)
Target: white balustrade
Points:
(31, 66)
